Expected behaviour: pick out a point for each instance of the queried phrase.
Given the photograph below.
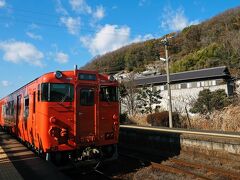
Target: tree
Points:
(208, 101)
(128, 95)
(147, 97)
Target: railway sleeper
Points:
(175, 170)
(208, 168)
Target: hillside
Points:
(212, 43)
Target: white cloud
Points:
(61, 57)
(60, 9)
(99, 13)
(5, 83)
(33, 26)
(34, 36)
(72, 24)
(109, 38)
(2, 3)
(175, 20)
(17, 51)
(80, 6)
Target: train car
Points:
(73, 114)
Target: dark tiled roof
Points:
(209, 73)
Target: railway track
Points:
(196, 170)
(84, 172)
(178, 166)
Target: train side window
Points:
(109, 93)
(38, 93)
(4, 110)
(45, 92)
(26, 106)
(86, 97)
(11, 108)
(19, 104)
(34, 102)
(7, 109)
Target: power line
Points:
(31, 12)
(27, 19)
(57, 25)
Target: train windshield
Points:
(56, 92)
(109, 93)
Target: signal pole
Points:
(166, 44)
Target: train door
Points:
(18, 114)
(86, 114)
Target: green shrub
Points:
(208, 101)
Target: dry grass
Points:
(226, 120)
(139, 119)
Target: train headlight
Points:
(111, 78)
(58, 74)
(52, 120)
(115, 117)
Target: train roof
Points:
(67, 71)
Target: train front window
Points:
(109, 93)
(86, 97)
(57, 92)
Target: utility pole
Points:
(166, 44)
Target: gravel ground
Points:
(127, 168)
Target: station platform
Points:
(18, 163)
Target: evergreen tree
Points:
(208, 101)
(147, 97)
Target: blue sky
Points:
(37, 37)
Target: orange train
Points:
(73, 114)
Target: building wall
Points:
(183, 94)
(183, 98)
(237, 86)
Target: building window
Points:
(214, 83)
(162, 88)
(194, 84)
(202, 83)
(173, 86)
(189, 85)
(206, 83)
(183, 86)
(198, 84)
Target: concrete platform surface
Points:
(18, 163)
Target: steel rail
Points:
(175, 130)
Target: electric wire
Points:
(26, 17)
